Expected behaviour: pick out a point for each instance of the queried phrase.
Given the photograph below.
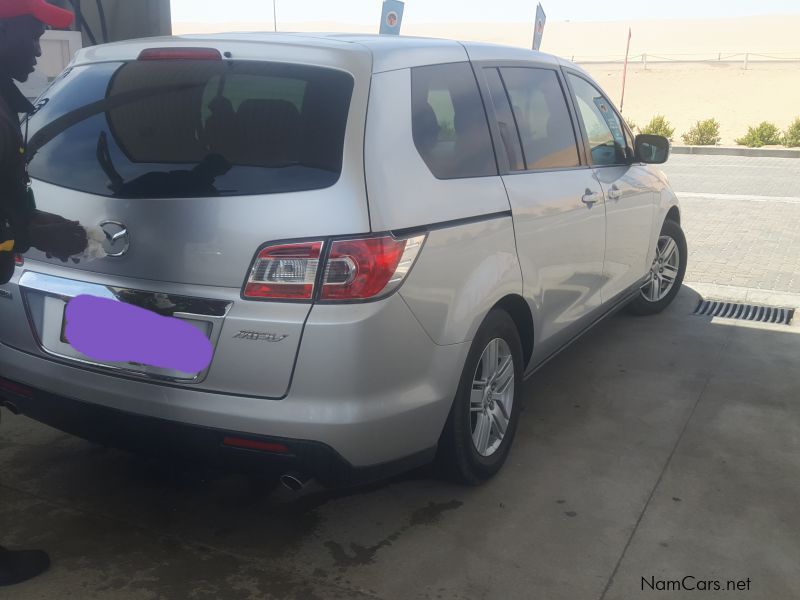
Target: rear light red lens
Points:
(284, 272)
(366, 268)
(15, 388)
(180, 54)
(19, 260)
(248, 444)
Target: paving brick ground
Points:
(742, 220)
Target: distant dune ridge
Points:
(683, 91)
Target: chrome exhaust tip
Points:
(294, 481)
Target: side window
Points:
(505, 119)
(605, 132)
(449, 123)
(542, 116)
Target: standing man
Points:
(22, 23)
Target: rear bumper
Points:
(369, 389)
(171, 440)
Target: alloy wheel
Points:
(664, 270)
(492, 397)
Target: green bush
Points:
(703, 133)
(659, 125)
(763, 134)
(792, 136)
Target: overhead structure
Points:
(101, 21)
(96, 22)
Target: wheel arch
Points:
(674, 214)
(520, 313)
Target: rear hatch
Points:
(189, 162)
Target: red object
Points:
(254, 445)
(625, 71)
(180, 54)
(285, 272)
(39, 9)
(16, 388)
(19, 260)
(375, 261)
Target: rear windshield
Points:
(166, 129)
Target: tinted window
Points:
(545, 127)
(449, 123)
(509, 133)
(603, 128)
(192, 128)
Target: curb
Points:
(737, 151)
(730, 293)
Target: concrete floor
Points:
(655, 447)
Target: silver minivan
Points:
(380, 237)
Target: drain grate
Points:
(744, 312)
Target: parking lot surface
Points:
(655, 448)
(742, 219)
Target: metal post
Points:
(719, 56)
(625, 71)
(274, 16)
(746, 59)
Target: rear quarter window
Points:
(449, 123)
(192, 128)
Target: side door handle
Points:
(614, 193)
(591, 198)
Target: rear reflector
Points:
(180, 54)
(237, 442)
(15, 388)
(285, 272)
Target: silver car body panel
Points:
(463, 272)
(560, 241)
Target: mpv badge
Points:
(259, 336)
(117, 238)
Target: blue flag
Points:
(392, 17)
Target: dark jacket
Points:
(16, 208)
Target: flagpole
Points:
(625, 71)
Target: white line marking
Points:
(749, 197)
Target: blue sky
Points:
(425, 11)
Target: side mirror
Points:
(651, 149)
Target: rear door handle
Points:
(614, 193)
(590, 198)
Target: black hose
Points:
(81, 22)
(103, 25)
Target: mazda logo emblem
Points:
(117, 239)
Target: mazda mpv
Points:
(381, 238)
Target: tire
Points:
(458, 457)
(651, 301)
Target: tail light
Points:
(284, 272)
(355, 269)
(180, 54)
(19, 260)
(369, 267)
